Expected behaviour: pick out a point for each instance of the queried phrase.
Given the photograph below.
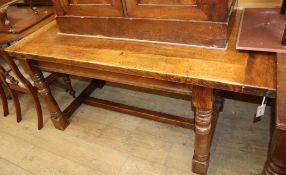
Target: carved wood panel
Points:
(179, 9)
(201, 10)
(108, 8)
(98, 2)
(167, 2)
(165, 9)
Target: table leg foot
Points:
(273, 169)
(203, 105)
(200, 167)
(60, 122)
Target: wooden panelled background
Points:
(259, 3)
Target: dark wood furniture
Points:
(38, 2)
(15, 19)
(282, 12)
(20, 83)
(194, 22)
(15, 81)
(263, 30)
(9, 38)
(6, 3)
(5, 24)
(4, 100)
(276, 163)
(3, 96)
(197, 72)
(283, 41)
(283, 8)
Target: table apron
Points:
(148, 82)
(137, 81)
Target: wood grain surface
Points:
(259, 3)
(222, 69)
(203, 23)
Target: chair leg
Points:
(68, 84)
(65, 84)
(38, 108)
(16, 101)
(4, 101)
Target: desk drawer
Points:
(107, 8)
(206, 10)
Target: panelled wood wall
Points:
(259, 3)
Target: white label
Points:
(260, 110)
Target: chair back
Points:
(13, 67)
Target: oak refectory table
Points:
(198, 72)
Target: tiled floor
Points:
(101, 142)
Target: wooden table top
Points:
(232, 70)
(9, 37)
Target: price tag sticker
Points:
(261, 109)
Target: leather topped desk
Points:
(199, 72)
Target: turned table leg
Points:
(57, 116)
(202, 99)
(276, 163)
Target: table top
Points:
(10, 37)
(232, 70)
